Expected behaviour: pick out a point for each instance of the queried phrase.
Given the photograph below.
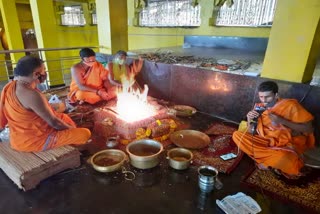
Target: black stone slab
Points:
(225, 95)
(157, 76)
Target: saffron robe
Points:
(93, 77)
(28, 131)
(274, 145)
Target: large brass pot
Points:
(108, 160)
(179, 158)
(144, 153)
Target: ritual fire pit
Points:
(134, 115)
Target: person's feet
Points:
(261, 166)
(278, 173)
(305, 176)
(290, 177)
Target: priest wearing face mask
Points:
(119, 70)
(33, 124)
(90, 81)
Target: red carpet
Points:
(305, 193)
(221, 143)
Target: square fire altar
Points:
(133, 116)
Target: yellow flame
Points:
(132, 104)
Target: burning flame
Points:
(132, 104)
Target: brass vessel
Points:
(144, 153)
(179, 158)
(108, 160)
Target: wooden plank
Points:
(53, 154)
(14, 164)
(32, 179)
(17, 160)
(27, 169)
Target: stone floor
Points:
(158, 190)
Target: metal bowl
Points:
(179, 158)
(144, 153)
(108, 160)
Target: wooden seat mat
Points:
(27, 169)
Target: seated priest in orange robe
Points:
(33, 124)
(120, 71)
(279, 131)
(90, 81)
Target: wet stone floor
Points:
(157, 190)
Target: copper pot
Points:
(179, 158)
(144, 153)
(108, 160)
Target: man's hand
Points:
(103, 94)
(252, 115)
(297, 128)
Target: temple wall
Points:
(224, 95)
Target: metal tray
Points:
(190, 139)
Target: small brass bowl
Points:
(179, 158)
(108, 160)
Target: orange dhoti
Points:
(274, 146)
(73, 136)
(91, 97)
(256, 147)
(94, 78)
